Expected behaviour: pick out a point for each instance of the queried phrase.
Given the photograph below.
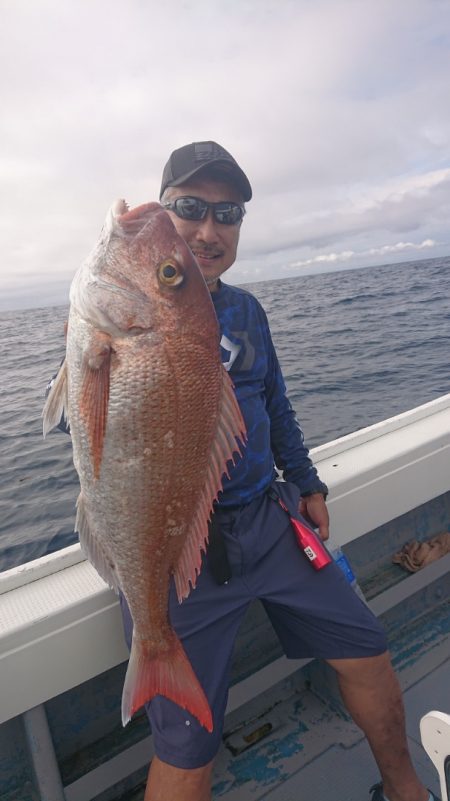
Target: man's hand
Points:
(315, 508)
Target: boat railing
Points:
(60, 625)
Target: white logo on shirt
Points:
(232, 349)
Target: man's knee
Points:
(365, 670)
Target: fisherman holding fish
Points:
(156, 422)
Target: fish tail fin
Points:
(169, 674)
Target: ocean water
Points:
(356, 347)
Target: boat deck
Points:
(296, 740)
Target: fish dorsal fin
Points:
(230, 428)
(94, 397)
(92, 548)
(56, 404)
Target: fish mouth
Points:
(132, 220)
(102, 292)
(119, 207)
(119, 213)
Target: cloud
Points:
(347, 255)
(418, 204)
(338, 111)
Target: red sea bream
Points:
(154, 421)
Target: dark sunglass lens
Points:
(190, 208)
(228, 213)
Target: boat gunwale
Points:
(71, 555)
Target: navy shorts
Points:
(315, 614)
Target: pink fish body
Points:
(154, 421)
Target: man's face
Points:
(213, 244)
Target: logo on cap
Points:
(205, 151)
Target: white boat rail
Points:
(60, 625)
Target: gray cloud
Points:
(419, 203)
(337, 110)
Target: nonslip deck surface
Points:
(320, 756)
(295, 742)
(311, 751)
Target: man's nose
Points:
(206, 228)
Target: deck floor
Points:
(312, 751)
(296, 742)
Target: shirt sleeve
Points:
(288, 444)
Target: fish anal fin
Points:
(92, 548)
(56, 404)
(224, 448)
(95, 394)
(168, 673)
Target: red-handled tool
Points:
(308, 541)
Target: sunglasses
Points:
(194, 208)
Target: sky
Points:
(337, 110)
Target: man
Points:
(254, 554)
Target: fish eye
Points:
(170, 274)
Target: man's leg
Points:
(318, 614)
(166, 782)
(206, 623)
(372, 695)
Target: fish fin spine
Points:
(190, 561)
(225, 448)
(169, 674)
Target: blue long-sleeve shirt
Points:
(274, 436)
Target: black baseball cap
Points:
(190, 159)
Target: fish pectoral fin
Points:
(94, 397)
(167, 673)
(92, 549)
(224, 448)
(56, 404)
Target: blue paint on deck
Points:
(263, 764)
(286, 746)
(255, 768)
